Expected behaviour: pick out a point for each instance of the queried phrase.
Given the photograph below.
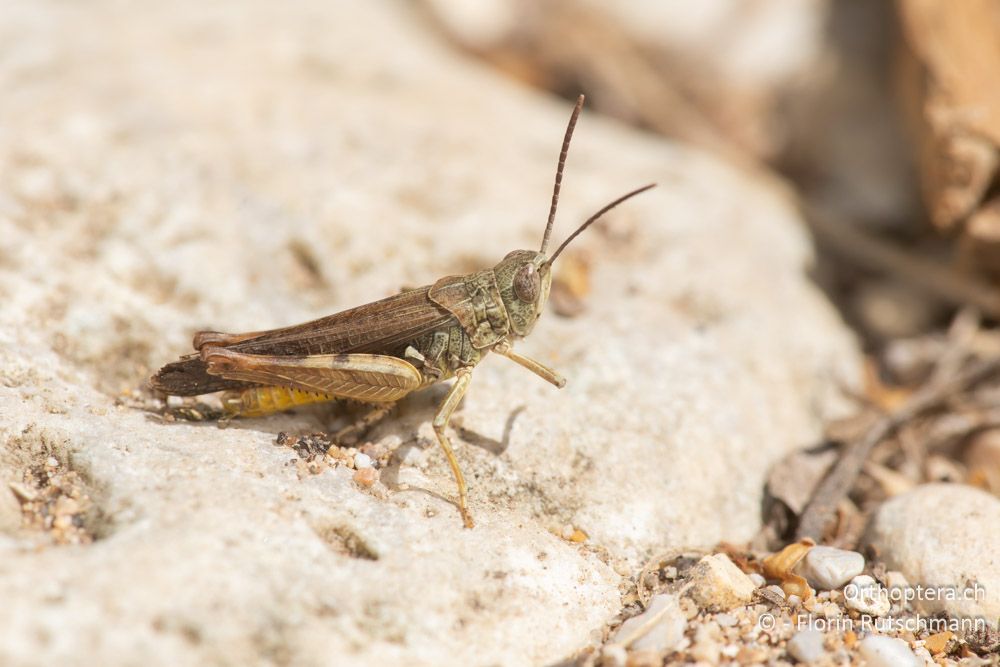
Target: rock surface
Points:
(241, 166)
(944, 536)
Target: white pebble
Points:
(725, 620)
(881, 651)
(866, 596)
(614, 655)
(806, 645)
(757, 579)
(826, 568)
(362, 461)
(659, 628)
(831, 610)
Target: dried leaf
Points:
(937, 643)
(779, 566)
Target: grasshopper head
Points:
(524, 278)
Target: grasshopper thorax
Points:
(523, 278)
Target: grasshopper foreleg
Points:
(462, 378)
(503, 348)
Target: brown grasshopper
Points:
(380, 352)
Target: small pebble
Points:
(881, 651)
(830, 611)
(725, 620)
(366, 476)
(827, 567)
(866, 596)
(757, 579)
(659, 628)
(374, 450)
(362, 461)
(645, 659)
(806, 645)
(718, 585)
(794, 600)
(614, 655)
(24, 492)
(706, 648)
(924, 656)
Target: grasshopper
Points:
(380, 352)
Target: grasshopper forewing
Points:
(380, 352)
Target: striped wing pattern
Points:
(365, 377)
(383, 327)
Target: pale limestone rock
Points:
(944, 539)
(241, 166)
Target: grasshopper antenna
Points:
(559, 172)
(597, 216)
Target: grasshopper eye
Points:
(527, 283)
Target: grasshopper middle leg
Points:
(462, 378)
(360, 426)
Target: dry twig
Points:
(840, 480)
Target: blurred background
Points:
(882, 118)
